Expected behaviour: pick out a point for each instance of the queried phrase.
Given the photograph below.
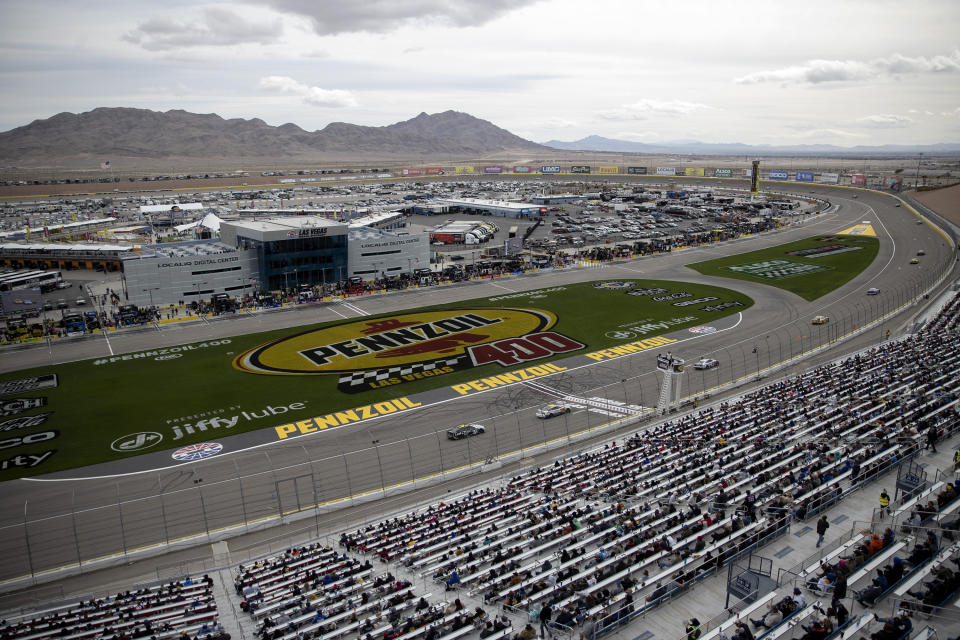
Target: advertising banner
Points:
(411, 172)
(693, 172)
(858, 179)
(523, 169)
(804, 176)
(755, 177)
(550, 169)
(723, 173)
(666, 171)
(832, 178)
(462, 170)
(892, 183)
(608, 169)
(580, 168)
(493, 169)
(778, 174)
(434, 171)
(637, 171)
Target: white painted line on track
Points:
(355, 308)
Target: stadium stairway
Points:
(238, 626)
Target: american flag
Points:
(105, 164)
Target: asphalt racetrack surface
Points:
(101, 511)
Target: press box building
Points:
(268, 255)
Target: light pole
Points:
(150, 291)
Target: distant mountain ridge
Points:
(109, 132)
(694, 147)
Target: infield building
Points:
(269, 255)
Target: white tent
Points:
(210, 221)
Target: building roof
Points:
(163, 208)
(373, 219)
(285, 223)
(481, 203)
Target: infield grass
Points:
(100, 400)
(834, 270)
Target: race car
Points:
(551, 410)
(915, 261)
(465, 431)
(706, 363)
(820, 320)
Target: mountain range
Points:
(694, 147)
(140, 138)
(111, 133)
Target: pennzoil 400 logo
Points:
(368, 354)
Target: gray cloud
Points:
(382, 16)
(820, 71)
(216, 27)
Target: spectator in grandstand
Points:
(868, 596)
(453, 580)
(588, 631)
(742, 631)
(932, 438)
(902, 625)
(822, 526)
(838, 612)
(798, 599)
(920, 554)
(818, 629)
(528, 633)
(771, 618)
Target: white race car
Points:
(552, 409)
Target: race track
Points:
(54, 521)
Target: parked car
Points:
(706, 363)
(81, 302)
(551, 410)
(820, 320)
(62, 304)
(465, 431)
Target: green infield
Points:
(809, 268)
(91, 411)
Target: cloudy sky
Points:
(842, 72)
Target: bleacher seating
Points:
(608, 533)
(164, 611)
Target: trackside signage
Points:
(340, 418)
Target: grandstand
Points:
(637, 530)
